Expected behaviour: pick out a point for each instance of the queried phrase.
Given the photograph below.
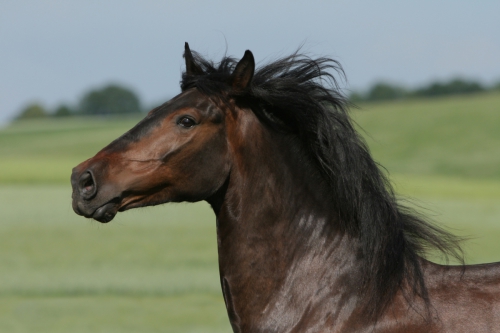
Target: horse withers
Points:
(310, 235)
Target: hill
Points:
(455, 136)
(45, 150)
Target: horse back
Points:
(464, 298)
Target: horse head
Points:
(178, 152)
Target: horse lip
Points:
(105, 213)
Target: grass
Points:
(468, 208)
(455, 136)
(45, 151)
(151, 270)
(114, 313)
(155, 269)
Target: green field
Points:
(155, 269)
(455, 136)
(45, 151)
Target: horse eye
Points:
(186, 122)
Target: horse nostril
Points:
(87, 185)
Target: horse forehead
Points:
(155, 119)
(193, 100)
(189, 99)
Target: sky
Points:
(52, 52)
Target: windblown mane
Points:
(300, 95)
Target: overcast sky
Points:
(54, 51)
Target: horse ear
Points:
(192, 68)
(243, 73)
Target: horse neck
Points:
(276, 233)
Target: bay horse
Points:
(311, 237)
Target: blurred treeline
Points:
(115, 99)
(110, 100)
(384, 91)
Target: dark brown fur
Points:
(304, 245)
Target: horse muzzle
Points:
(89, 200)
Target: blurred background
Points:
(75, 75)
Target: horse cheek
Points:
(204, 171)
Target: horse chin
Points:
(105, 213)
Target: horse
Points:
(311, 236)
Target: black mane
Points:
(300, 95)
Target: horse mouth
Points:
(103, 214)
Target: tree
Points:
(385, 91)
(496, 86)
(356, 97)
(63, 111)
(32, 111)
(111, 100)
(453, 87)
